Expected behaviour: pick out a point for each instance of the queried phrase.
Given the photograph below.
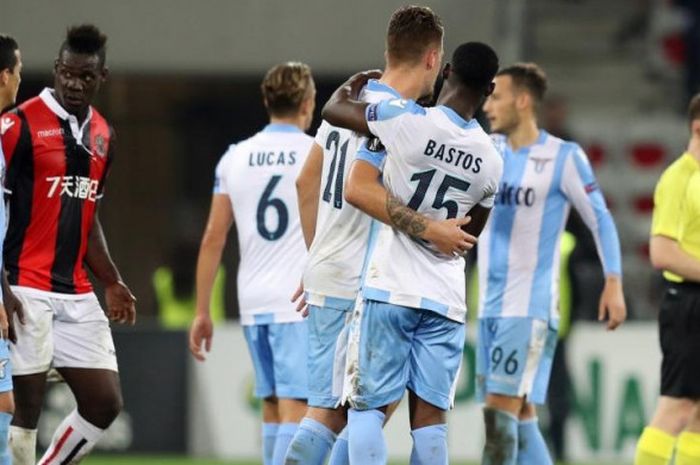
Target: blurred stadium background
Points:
(184, 85)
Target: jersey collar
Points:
(47, 96)
(541, 139)
(374, 85)
(458, 120)
(281, 127)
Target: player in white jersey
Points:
(519, 265)
(255, 181)
(338, 233)
(10, 69)
(409, 331)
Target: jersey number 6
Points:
(267, 201)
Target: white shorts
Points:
(61, 330)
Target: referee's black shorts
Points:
(679, 333)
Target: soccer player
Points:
(675, 249)
(338, 235)
(409, 330)
(58, 150)
(519, 265)
(10, 69)
(255, 180)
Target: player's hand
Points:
(4, 323)
(612, 303)
(14, 310)
(448, 236)
(359, 80)
(201, 333)
(300, 298)
(121, 303)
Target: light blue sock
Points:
(269, 434)
(339, 454)
(501, 446)
(5, 456)
(311, 444)
(532, 448)
(429, 445)
(366, 440)
(285, 433)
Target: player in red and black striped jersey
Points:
(58, 150)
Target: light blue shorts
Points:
(392, 348)
(328, 330)
(279, 353)
(514, 357)
(5, 366)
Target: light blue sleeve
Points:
(581, 188)
(384, 119)
(373, 152)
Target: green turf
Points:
(158, 460)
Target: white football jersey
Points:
(259, 176)
(441, 166)
(336, 256)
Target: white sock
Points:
(74, 439)
(23, 445)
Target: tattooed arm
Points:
(364, 191)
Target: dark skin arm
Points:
(12, 307)
(344, 109)
(479, 216)
(121, 303)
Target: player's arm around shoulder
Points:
(365, 192)
(344, 109)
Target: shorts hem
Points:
(375, 401)
(534, 398)
(29, 371)
(91, 366)
(291, 393)
(323, 402)
(432, 397)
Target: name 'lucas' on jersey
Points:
(518, 249)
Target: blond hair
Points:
(285, 87)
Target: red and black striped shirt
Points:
(56, 171)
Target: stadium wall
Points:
(223, 36)
(615, 377)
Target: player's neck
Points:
(524, 135)
(297, 121)
(458, 102)
(406, 81)
(694, 148)
(5, 101)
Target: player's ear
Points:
(490, 88)
(104, 73)
(446, 70)
(55, 67)
(4, 76)
(433, 58)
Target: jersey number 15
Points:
(424, 179)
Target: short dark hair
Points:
(86, 39)
(412, 29)
(285, 86)
(528, 76)
(8, 47)
(475, 64)
(694, 108)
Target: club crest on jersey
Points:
(540, 164)
(375, 145)
(100, 145)
(5, 124)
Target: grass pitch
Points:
(164, 460)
